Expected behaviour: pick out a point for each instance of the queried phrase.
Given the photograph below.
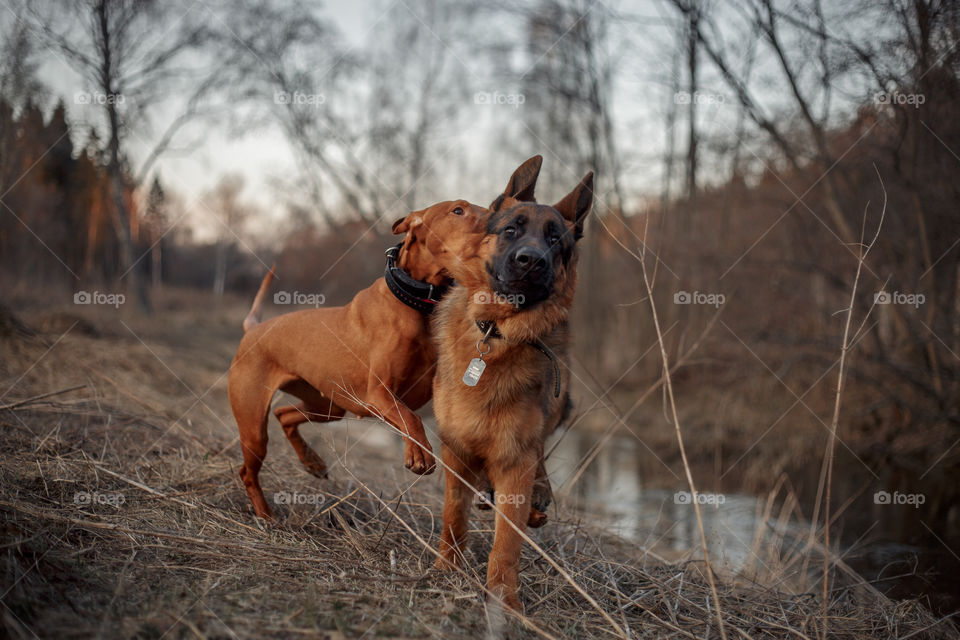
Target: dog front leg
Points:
(513, 487)
(456, 509)
(417, 452)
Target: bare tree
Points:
(900, 86)
(293, 70)
(225, 204)
(764, 18)
(670, 124)
(155, 221)
(418, 73)
(568, 86)
(113, 45)
(364, 126)
(18, 84)
(568, 89)
(692, 11)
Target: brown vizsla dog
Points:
(497, 387)
(371, 357)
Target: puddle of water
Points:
(662, 520)
(883, 542)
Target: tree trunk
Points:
(692, 37)
(125, 236)
(220, 270)
(156, 264)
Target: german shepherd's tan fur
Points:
(497, 428)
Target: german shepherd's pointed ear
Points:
(521, 184)
(576, 205)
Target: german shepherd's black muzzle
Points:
(532, 243)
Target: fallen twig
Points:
(26, 401)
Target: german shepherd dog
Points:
(497, 388)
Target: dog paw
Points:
(445, 564)
(419, 461)
(265, 516)
(431, 463)
(536, 519)
(542, 495)
(315, 465)
(420, 467)
(484, 499)
(505, 597)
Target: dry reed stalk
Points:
(835, 421)
(683, 454)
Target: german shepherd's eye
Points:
(510, 233)
(458, 211)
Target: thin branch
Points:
(20, 403)
(828, 462)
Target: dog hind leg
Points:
(542, 491)
(250, 400)
(315, 407)
(542, 497)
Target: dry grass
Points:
(184, 557)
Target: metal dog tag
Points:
(472, 375)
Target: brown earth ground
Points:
(168, 546)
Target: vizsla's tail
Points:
(253, 318)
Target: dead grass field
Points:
(181, 555)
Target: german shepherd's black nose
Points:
(529, 259)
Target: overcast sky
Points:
(476, 165)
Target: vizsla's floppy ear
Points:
(521, 184)
(576, 205)
(412, 221)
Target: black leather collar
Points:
(416, 294)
